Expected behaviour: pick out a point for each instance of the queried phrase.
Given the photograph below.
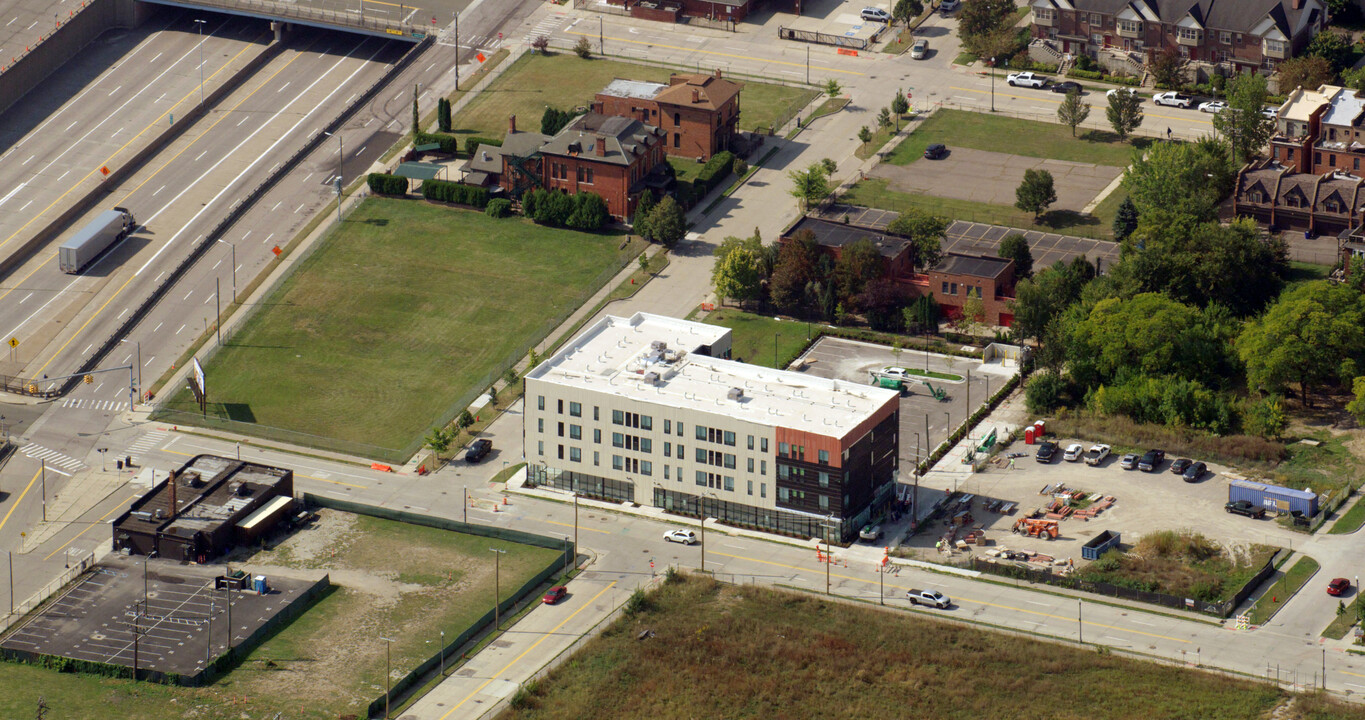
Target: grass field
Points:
(1343, 622)
(874, 192)
(1349, 521)
(1181, 563)
(566, 81)
(394, 580)
(755, 337)
(1327, 467)
(406, 310)
(1274, 598)
(1030, 138)
(748, 652)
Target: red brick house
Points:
(699, 113)
(674, 10)
(615, 157)
(1226, 36)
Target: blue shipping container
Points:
(1274, 497)
(1099, 545)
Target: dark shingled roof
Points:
(982, 266)
(838, 235)
(624, 138)
(1232, 15)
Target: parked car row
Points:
(1150, 461)
(1167, 99)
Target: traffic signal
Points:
(89, 379)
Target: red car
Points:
(556, 594)
(1338, 586)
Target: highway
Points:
(112, 117)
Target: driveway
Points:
(991, 177)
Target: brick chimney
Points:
(717, 72)
(171, 481)
(600, 146)
(512, 124)
(696, 95)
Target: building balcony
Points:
(1049, 20)
(1279, 51)
(1195, 41)
(1130, 32)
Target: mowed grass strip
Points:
(408, 308)
(1030, 138)
(875, 192)
(737, 652)
(1289, 583)
(754, 338)
(565, 81)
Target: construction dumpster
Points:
(1274, 497)
(1099, 545)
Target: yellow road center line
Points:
(95, 524)
(310, 477)
(15, 506)
(720, 54)
(533, 646)
(580, 527)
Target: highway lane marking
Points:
(282, 87)
(111, 94)
(12, 192)
(960, 600)
(158, 191)
(182, 327)
(187, 295)
(299, 208)
(26, 297)
(116, 508)
(150, 359)
(121, 148)
(720, 54)
(277, 206)
(29, 160)
(68, 172)
(157, 56)
(202, 154)
(1348, 672)
(580, 527)
(533, 646)
(15, 506)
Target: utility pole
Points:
(497, 611)
(827, 557)
(457, 51)
(914, 494)
(388, 675)
(601, 42)
(218, 309)
(44, 491)
(443, 653)
(702, 506)
(807, 64)
(200, 23)
(992, 84)
(234, 272)
(10, 555)
(1080, 636)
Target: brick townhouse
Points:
(1225, 36)
(698, 112)
(616, 157)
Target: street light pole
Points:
(388, 675)
(44, 491)
(138, 344)
(992, 84)
(914, 494)
(234, 268)
(497, 612)
(200, 23)
(701, 507)
(443, 653)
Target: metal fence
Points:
(819, 38)
(1221, 609)
(293, 11)
(11, 621)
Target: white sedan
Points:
(1213, 106)
(686, 537)
(1073, 452)
(1116, 91)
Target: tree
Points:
(1044, 392)
(810, 186)
(552, 207)
(972, 317)
(640, 223)
(1041, 299)
(443, 114)
(921, 315)
(925, 232)
(583, 48)
(416, 118)
(1355, 80)
(1035, 193)
(464, 420)
(1265, 417)
(541, 44)
(439, 439)
(829, 166)
(1175, 178)
(906, 10)
(1120, 338)
(752, 244)
(589, 212)
(1334, 47)
(1125, 219)
(883, 302)
(553, 120)
(1167, 67)
(1072, 112)
(833, 88)
(1242, 122)
(884, 118)
(859, 263)
(737, 275)
(998, 44)
(899, 104)
(1303, 337)
(978, 18)
(794, 269)
(643, 260)
(667, 222)
(864, 135)
(1307, 72)
(1124, 112)
(1015, 247)
(1203, 264)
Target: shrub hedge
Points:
(453, 192)
(449, 143)
(498, 208)
(715, 170)
(382, 184)
(1096, 75)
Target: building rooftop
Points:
(973, 265)
(711, 91)
(656, 359)
(1346, 107)
(622, 138)
(637, 89)
(830, 234)
(1302, 103)
(209, 490)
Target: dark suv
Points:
(1046, 452)
(1151, 460)
(478, 450)
(1244, 507)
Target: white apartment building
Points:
(647, 409)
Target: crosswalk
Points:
(92, 404)
(52, 457)
(145, 443)
(546, 27)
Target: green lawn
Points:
(405, 582)
(874, 192)
(1344, 621)
(934, 374)
(1283, 589)
(566, 81)
(1327, 467)
(408, 311)
(1349, 521)
(1030, 138)
(754, 338)
(741, 652)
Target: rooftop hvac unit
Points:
(735, 393)
(658, 345)
(652, 378)
(160, 514)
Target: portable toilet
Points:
(1039, 429)
(259, 585)
(1028, 435)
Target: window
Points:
(576, 432)
(575, 455)
(560, 404)
(1132, 26)
(701, 455)
(751, 487)
(646, 467)
(783, 495)
(824, 479)
(561, 452)
(1355, 163)
(763, 490)
(824, 457)
(575, 409)
(665, 472)
(1289, 154)
(1317, 158)
(540, 425)
(1332, 160)
(729, 483)
(824, 502)
(1274, 46)
(677, 120)
(782, 449)
(561, 429)
(751, 442)
(618, 417)
(1237, 38)
(618, 440)
(540, 447)
(952, 288)
(680, 452)
(1225, 37)
(751, 466)
(646, 445)
(729, 461)
(1193, 34)
(762, 467)
(782, 472)
(617, 462)
(680, 429)
(668, 449)
(540, 402)
(800, 451)
(597, 435)
(646, 422)
(1041, 14)
(701, 478)
(701, 433)
(668, 426)
(729, 438)
(1096, 19)
(596, 458)
(763, 444)
(595, 414)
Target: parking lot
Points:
(167, 617)
(1143, 502)
(854, 361)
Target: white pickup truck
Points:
(1173, 99)
(1096, 454)
(1026, 79)
(928, 597)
